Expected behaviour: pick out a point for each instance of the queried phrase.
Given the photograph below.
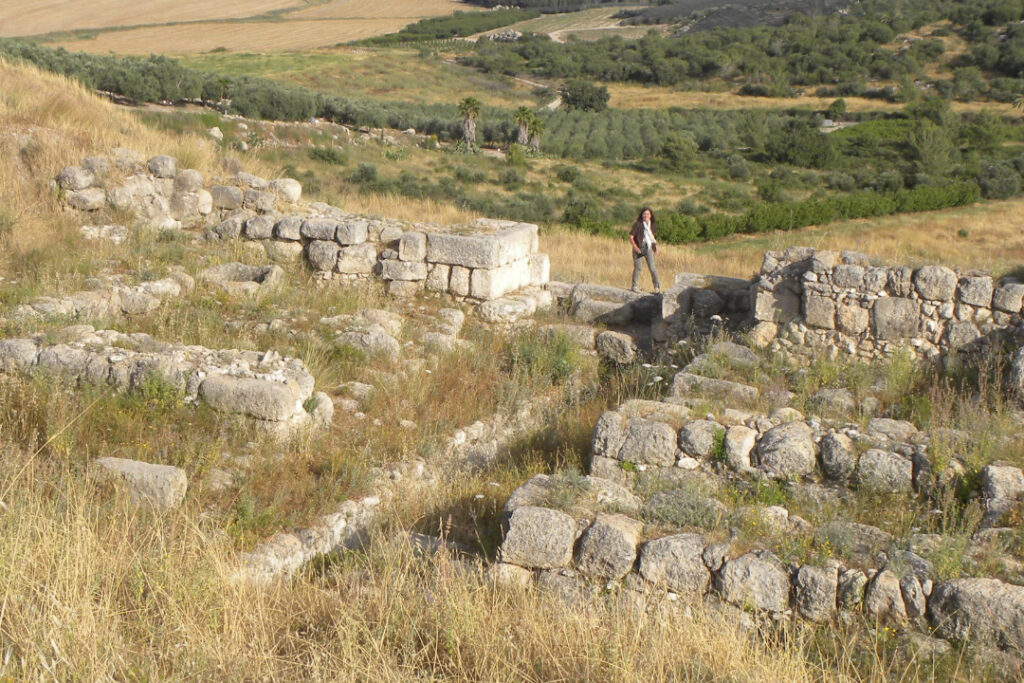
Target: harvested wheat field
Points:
(35, 17)
(385, 9)
(241, 36)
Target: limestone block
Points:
(779, 306)
(609, 433)
(875, 279)
(404, 270)
(819, 312)
(17, 354)
(880, 470)
(1008, 298)
(188, 180)
(458, 284)
(647, 442)
(901, 281)
(685, 383)
(352, 232)
(538, 538)
(231, 227)
(838, 457)
(607, 548)
(617, 347)
(187, 205)
(676, 563)
(491, 283)
(540, 269)
(251, 181)
(89, 199)
(257, 200)
(289, 228)
(848, 276)
(260, 227)
(412, 246)
(163, 166)
(226, 197)
(359, 259)
(158, 486)
(976, 291)
(982, 610)
(895, 318)
(755, 580)
(287, 189)
(884, 598)
(259, 398)
(611, 313)
(739, 442)
(851, 319)
(74, 178)
(814, 592)
(100, 166)
(319, 228)
(437, 277)
(516, 243)
(470, 251)
(935, 283)
(960, 334)
(787, 451)
(697, 437)
(280, 251)
(403, 288)
(505, 309)
(323, 255)
(1002, 481)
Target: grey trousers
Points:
(638, 264)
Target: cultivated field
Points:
(591, 24)
(34, 17)
(386, 74)
(179, 28)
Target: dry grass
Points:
(48, 122)
(242, 36)
(628, 96)
(994, 242)
(589, 24)
(34, 17)
(364, 9)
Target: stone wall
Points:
(482, 261)
(820, 299)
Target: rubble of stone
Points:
(273, 390)
(483, 261)
(107, 297)
(818, 299)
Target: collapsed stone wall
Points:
(818, 299)
(610, 534)
(482, 261)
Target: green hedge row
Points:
(677, 228)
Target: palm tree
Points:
(534, 128)
(469, 110)
(522, 119)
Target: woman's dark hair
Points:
(640, 216)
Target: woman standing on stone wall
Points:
(645, 246)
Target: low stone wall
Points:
(482, 261)
(263, 386)
(820, 299)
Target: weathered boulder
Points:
(895, 318)
(158, 486)
(538, 538)
(1007, 298)
(374, 341)
(17, 355)
(980, 610)
(89, 199)
(286, 189)
(506, 309)
(686, 383)
(676, 564)
(609, 434)
(838, 457)
(836, 401)
(739, 442)
(884, 598)
(163, 166)
(935, 283)
(616, 347)
(1002, 481)
(697, 438)
(787, 451)
(850, 592)
(913, 596)
(648, 442)
(895, 430)
(814, 592)
(607, 548)
(226, 197)
(260, 227)
(879, 470)
(260, 398)
(74, 178)
(239, 278)
(976, 291)
(754, 580)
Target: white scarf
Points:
(648, 238)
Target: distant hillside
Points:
(696, 15)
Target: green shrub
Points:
(329, 155)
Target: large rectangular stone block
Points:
(540, 269)
(358, 259)
(469, 251)
(351, 232)
(490, 283)
(319, 228)
(437, 277)
(394, 269)
(412, 246)
(777, 306)
(458, 284)
(895, 318)
(516, 243)
(819, 312)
